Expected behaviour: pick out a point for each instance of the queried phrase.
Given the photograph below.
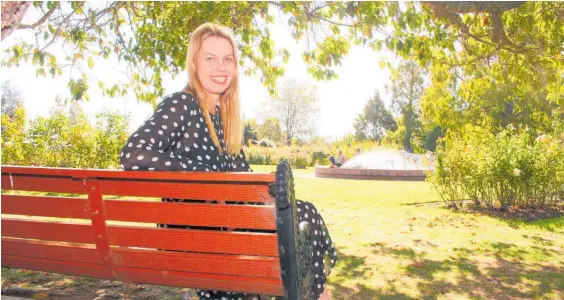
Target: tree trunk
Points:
(12, 14)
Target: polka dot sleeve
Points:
(240, 163)
(152, 146)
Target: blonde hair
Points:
(230, 108)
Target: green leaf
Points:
(18, 51)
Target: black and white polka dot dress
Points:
(176, 138)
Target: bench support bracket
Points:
(98, 218)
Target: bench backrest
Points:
(100, 228)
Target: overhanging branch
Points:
(40, 21)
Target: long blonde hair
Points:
(230, 108)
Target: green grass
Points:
(395, 241)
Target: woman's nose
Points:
(220, 66)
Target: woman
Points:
(199, 129)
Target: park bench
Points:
(97, 223)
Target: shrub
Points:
(65, 139)
(504, 169)
(299, 160)
(319, 158)
(315, 154)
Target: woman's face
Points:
(215, 64)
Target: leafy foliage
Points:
(13, 136)
(374, 121)
(407, 87)
(249, 132)
(64, 139)
(270, 129)
(151, 37)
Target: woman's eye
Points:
(209, 58)
(230, 59)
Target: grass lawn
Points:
(395, 241)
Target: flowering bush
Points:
(299, 157)
(306, 156)
(506, 169)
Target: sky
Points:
(340, 100)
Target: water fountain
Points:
(381, 164)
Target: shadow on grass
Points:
(540, 240)
(550, 219)
(552, 225)
(353, 267)
(505, 274)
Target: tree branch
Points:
(41, 20)
(463, 7)
(450, 11)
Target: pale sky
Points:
(340, 100)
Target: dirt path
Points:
(41, 285)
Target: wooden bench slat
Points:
(195, 214)
(181, 190)
(56, 266)
(205, 241)
(48, 230)
(173, 278)
(51, 250)
(205, 281)
(42, 184)
(184, 176)
(46, 206)
(250, 266)
(187, 190)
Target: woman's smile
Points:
(219, 79)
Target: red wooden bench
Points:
(87, 233)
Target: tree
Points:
(270, 129)
(295, 108)
(11, 99)
(458, 33)
(64, 140)
(249, 131)
(407, 86)
(494, 96)
(13, 136)
(112, 131)
(374, 121)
